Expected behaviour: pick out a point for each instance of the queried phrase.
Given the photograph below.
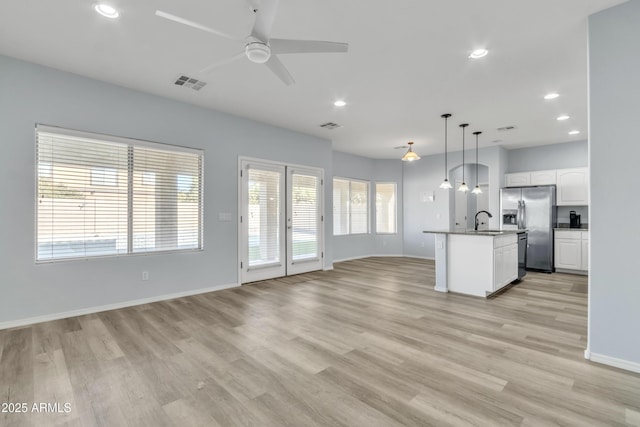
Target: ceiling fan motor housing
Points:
(257, 51)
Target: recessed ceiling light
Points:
(340, 103)
(561, 118)
(551, 95)
(106, 10)
(574, 132)
(478, 53)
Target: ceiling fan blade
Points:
(192, 24)
(265, 16)
(306, 46)
(279, 70)
(222, 62)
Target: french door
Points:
(281, 220)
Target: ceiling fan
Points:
(258, 46)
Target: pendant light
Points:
(410, 156)
(463, 187)
(477, 189)
(445, 184)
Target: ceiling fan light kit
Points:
(257, 52)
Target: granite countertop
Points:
(476, 233)
(563, 226)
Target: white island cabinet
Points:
(475, 263)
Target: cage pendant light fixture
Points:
(410, 156)
(477, 189)
(445, 184)
(463, 187)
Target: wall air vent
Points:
(330, 125)
(506, 128)
(187, 81)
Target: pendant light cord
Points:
(446, 160)
(477, 134)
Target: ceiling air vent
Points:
(187, 81)
(506, 128)
(330, 125)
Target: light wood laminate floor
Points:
(368, 344)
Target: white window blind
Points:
(386, 207)
(305, 216)
(350, 206)
(264, 217)
(105, 195)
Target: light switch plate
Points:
(225, 216)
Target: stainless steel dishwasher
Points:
(522, 254)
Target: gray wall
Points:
(357, 167)
(33, 94)
(422, 179)
(614, 67)
(556, 156)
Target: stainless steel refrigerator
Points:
(534, 209)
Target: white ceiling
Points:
(407, 64)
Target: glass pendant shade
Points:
(463, 187)
(410, 156)
(446, 185)
(477, 190)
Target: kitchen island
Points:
(477, 263)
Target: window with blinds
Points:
(350, 206)
(99, 195)
(386, 208)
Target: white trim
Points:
(614, 361)
(97, 309)
(373, 255)
(587, 354)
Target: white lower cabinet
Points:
(505, 263)
(481, 264)
(572, 250)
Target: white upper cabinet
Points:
(517, 179)
(543, 177)
(573, 187)
(572, 184)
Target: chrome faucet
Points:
(479, 212)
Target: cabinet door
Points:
(568, 254)
(543, 177)
(498, 268)
(510, 263)
(517, 179)
(585, 255)
(573, 187)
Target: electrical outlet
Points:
(145, 275)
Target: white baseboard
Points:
(614, 361)
(370, 256)
(97, 309)
(587, 354)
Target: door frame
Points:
(240, 242)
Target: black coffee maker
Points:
(574, 220)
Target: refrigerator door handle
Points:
(524, 216)
(518, 215)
